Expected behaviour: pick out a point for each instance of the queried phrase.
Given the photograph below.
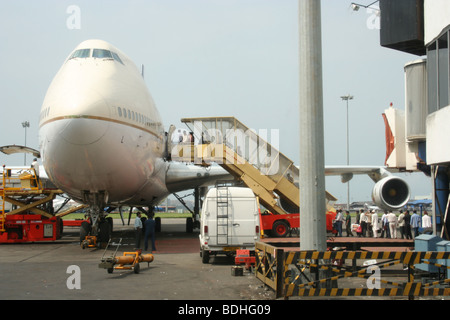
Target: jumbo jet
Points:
(103, 143)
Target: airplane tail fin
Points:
(400, 153)
(390, 139)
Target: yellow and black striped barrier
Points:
(274, 268)
(417, 289)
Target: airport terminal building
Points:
(422, 28)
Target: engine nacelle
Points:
(391, 193)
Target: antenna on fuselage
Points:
(142, 70)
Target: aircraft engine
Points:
(391, 193)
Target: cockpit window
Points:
(81, 53)
(102, 54)
(96, 53)
(116, 57)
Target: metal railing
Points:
(323, 274)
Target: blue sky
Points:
(215, 58)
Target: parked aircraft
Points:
(102, 140)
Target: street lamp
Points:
(25, 125)
(357, 6)
(347, 98)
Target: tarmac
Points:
(62, 270)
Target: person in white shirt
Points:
(138, 230)
(35, 166)
(375, 225)
(426, 223)
(363, 223)
(338, 221)
(392, 219)
(402, 224)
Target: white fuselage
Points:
(100, 130)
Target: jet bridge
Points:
(247, 156)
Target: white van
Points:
(229, 221)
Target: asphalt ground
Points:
(62, 270)
(48, 271)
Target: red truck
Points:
(280, 225)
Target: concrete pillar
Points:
(312, 168)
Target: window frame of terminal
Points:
(438, 71)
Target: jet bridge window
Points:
(81, 53)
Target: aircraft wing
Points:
(390, 192)
(376, 173)
(183, 176)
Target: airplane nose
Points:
(86, 123)
(83, 131)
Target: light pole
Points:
(347, 98)
(25, 125)
(357, 6)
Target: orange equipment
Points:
(128, 261)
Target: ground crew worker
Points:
(138, 230)
(150, 232)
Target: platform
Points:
(349, 243)
(248, 157)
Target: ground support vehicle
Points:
(282, 225)
(26, 211)
(128, 261)
(229, 221)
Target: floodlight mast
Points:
(312, 166)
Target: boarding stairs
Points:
(247, 156)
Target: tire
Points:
(205, 256)
(280, 229)
(189, 225)
(85, 230)
(104, 232)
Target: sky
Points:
(215, 58)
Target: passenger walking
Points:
(384, 225)
(408, 225)
(426, 224)
(369, 223)
(375, 224)
(415, 223)
(401, 224)
(363, 223)
(358, 217)
(348, 224)
(392, 219)
(338, 221)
